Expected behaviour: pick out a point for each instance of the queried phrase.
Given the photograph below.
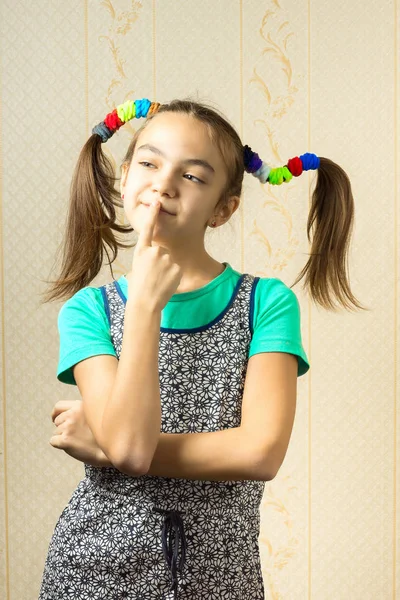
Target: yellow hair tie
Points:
(126, 111)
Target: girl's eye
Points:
(145, 164)
(199, 180)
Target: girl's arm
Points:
(257, 448)
(226, 455)
(121, 399)
(213, 456)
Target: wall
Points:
(292, 76)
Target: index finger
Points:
(147, 232)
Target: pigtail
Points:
(91, 222)
(330, 220)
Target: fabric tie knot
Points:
(172, 533)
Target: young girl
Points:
(187, 369)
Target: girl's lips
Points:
(161, 210)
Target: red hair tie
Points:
(295, 166)
(112, 121)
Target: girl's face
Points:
(175, 162)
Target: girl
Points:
(187, 369)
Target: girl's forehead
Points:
(178, 131)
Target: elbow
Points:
(133, 463)
(130, 452)
(266, 464)
(265, 473)
(133, 469)
(131, 459)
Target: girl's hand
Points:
(73, 434)
(154, 277)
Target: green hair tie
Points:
(126, 111)
(279, 175)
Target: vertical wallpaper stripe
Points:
(3, 361)
(86, 26)
(242, 258)
(309, 319)
(396, 279)
(154, 99)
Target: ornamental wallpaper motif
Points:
(292, 77)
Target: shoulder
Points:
(277, 321)
(83, 331)
(86, 302)
(273, 294)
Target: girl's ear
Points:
(124, 175)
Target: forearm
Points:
(132, 416)
(223, 455)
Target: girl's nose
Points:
(165, 184)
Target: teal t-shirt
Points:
(84, 329)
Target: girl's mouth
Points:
(161, 210)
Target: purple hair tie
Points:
(252, 162)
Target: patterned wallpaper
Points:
(292, 76)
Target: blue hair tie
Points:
(309, 161)
(142, 107)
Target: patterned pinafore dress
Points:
(156, 538)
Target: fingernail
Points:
(155, 203)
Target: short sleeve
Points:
(276, 322)
(83, 330)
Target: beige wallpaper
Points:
(293, 76)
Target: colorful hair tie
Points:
(252, 162)
(279, 175)
(122, 114)
(295, 166)
(310, 161)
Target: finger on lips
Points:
(146, 234)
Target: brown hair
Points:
(91, 221)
